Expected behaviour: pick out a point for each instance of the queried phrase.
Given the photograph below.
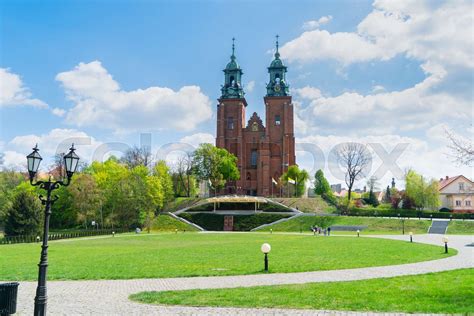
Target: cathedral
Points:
(264, 148)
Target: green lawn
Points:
(461, 227)
(204, 254)
(308, 205)
(165, 222)
(444, 292)
(375, 225)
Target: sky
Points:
(107, 75)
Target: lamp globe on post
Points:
(34, 160)
(445, 240)
(266, 248)
(411, 236)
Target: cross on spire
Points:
(233, 45)
(277, 54)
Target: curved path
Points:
(110, 297)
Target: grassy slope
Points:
(461, 227)
(308, 205)
(375, 225)
(181, 202)
(444, 292)
(192, 254)
(167, 223)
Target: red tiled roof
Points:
(446, 181)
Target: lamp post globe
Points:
(33, 160)
(411, 236)
(265, 248)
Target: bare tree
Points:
(137, 156)
(354, 158)
(184, 169)
(461, 148)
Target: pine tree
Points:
(24, 216)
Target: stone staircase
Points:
(438, 227)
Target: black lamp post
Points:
(71, 160)
(445, 240)
(411, 237)
(266, 249)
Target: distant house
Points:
(457, 194)
(336, 188)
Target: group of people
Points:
(319, 230)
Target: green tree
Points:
(25, 212)
(215, 164)
(423, 193)
(321, 184)
(372, 199)
(300, 177)
(162, 172)
(86, 199)
(388, 195)
(9, 179)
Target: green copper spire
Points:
(277, 85)
(232, 87)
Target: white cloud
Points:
(421, 155)
(419, 29)
(250, 86)
(314, 24)
(198, 138)
(54, 142)
(99, 101)
(378, 88)
(58, 112)
(14, 93)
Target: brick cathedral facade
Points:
(264, 148)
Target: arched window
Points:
(232, 80)
(253, 158)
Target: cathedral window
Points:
(230, 122)
(253, 158)
(277, 120)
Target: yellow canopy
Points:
(236, 199)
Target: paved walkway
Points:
(110, 297)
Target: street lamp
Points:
(266, 249)
(71, 160)
(445, 240)
(358, 233)
(411, 237)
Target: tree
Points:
(462, 148)
(215, 164)
(137, 156)
(86, 199)
(9, 179)
(25, 213)
(184, 169)
(162, 172)
(321, 184)
(300, 177)
(354, 158)
(372, 199)
(388, 195)
(423, 194)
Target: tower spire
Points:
(277, 54)
(233, 48)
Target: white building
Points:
(457, 194)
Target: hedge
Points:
(229, 206)
(355, 211)
(241, 222)
(61, 235)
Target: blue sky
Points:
(359, 71)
